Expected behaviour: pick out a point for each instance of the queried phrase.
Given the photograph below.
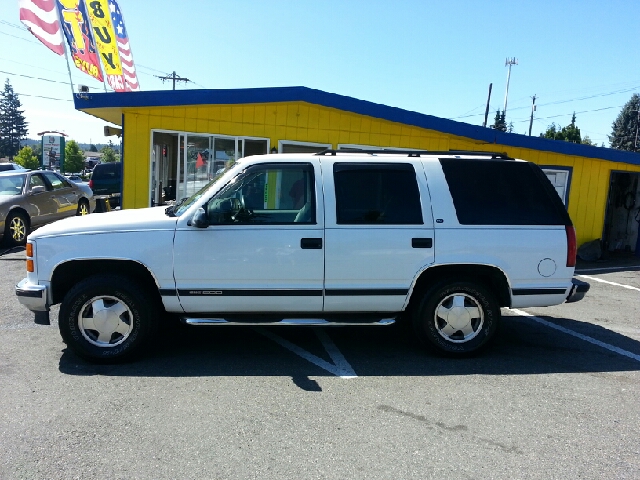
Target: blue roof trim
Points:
(166, 98)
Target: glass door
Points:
(196, 166)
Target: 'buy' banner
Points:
(105, 37)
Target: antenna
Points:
(508, 62)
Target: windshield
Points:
(11, 185)
(183, 205)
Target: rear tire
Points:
(83, 207)
(16, 229)
(108, 319)
(458, 318)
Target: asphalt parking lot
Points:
(556, 396)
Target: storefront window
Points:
(182, 163)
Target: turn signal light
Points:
(29, 249)
(30, 267)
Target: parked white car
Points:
(441, 240)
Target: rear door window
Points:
(377, 194)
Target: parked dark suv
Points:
(106, 182)
(11, 167)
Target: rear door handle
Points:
(311, 243)
(422, 242)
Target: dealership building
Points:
(174, 141)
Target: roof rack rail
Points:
(415, 153)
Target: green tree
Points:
(73, 158)
(27, 158)
(93, 148)
(108, 154)
(552, 132)
(13, 126)
(570, 133)
(37, 150)
(587, 141)
(499, 122)
(624, 134)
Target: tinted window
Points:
(377, 194)
(488, 192)
(107, 171)
(5, 167)
(55, 181)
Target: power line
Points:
(20, 38)
(14, 25)
(40, 96)
(39, 78)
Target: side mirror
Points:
(37, 189)
(199, 219)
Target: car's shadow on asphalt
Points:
(522, 347)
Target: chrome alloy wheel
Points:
(18, 229)
(105, 321)
(459, 318)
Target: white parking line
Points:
(578, 335)
(587, 270)
(341, 368)
(596, 279)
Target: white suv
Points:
(438, 239)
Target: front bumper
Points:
(577, 291)
(32, 296)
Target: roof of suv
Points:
(12, 167)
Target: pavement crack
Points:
(450, 428)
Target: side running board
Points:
(312, 322)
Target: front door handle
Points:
(311, 243)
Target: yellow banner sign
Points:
(105, 36)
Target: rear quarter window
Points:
(499, 192)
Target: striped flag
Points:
(41, 19)
(126, 58)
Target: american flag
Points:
(41, 19)
(126, 58)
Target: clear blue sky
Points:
(433, 57)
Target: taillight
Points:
(91, 183)
(572, 248)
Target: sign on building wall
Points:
(52, 151)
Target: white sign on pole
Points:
(51, 148)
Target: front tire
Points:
(458, 318)
(17, 229)
(107, 319)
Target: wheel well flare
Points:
(67, 274)
(490, 277)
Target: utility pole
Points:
(635, 145)
(508, 62)
(173, 76)
(533, 109)
(486, 112)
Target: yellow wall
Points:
(305, 122)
